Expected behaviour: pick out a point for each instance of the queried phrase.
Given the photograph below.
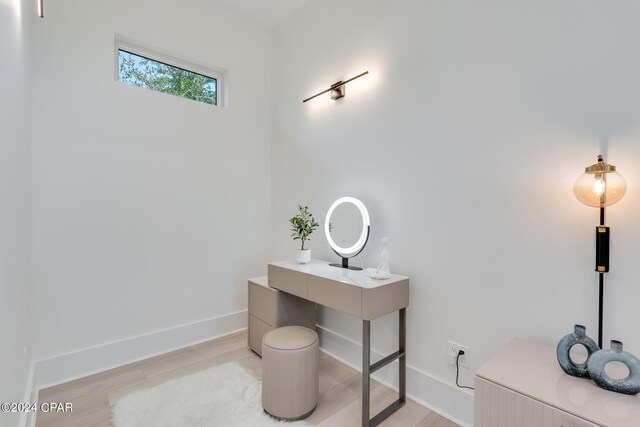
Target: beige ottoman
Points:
(290, 372)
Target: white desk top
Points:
(322, 269)
(346, 290)
(262, 281)
(532, 369)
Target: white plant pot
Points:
(303, 256)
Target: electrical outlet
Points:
(452, 351)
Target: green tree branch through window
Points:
(139, 71)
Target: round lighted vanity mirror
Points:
(347, 229)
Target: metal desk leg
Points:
(402, 335)
(368, 369)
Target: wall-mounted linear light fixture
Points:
(337, 89)
(41, 8)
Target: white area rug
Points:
(227, 395)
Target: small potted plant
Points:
(302, 225)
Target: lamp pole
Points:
(601, 282)
(600, 186)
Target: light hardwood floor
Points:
(339, 403)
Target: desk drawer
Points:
(293, 282)
(257, 330)
(337, 295)
(383, 300)
(262, 303)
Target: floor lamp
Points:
(600, 186)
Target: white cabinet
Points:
(497, 406)
(523, 386)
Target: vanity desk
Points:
(355, 293)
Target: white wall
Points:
(150, 211)
(16, 18)
(464, 142)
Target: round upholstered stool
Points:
(290, 358)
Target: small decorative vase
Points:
(597, 362)
(303, 256)
(564, 347)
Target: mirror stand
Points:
(345, 264)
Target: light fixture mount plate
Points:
(337, 90)
(600, 167)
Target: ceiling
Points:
(267, 12)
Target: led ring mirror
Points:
(347, 229)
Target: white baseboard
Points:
(28, 419)
(77, 364)
(438, 396)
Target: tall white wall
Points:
(16, 18)
(150, 211)
(464, 142)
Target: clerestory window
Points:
(148, 69)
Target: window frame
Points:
(140, 49)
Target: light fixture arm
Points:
(336, 89)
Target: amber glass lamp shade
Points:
(600, 185)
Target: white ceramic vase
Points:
(303, 256)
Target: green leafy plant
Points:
(302, 225)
